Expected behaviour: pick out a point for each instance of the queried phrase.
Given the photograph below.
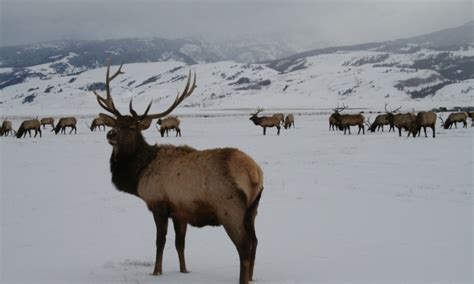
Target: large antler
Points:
(259, 110)
(107, 103)
(391, 111)
(188, 90)
(339, 109)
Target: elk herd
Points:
(410, 121)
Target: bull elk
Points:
(27, 126)
(289, 121)
(47, 121)
(65, 122)
(96, 124)
(169, 123)
(197, 187)
(404, 121)
(379, 122)
(6, 128)
(454, 118)
(265, 121)
(345, 121)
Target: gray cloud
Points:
(340, 22)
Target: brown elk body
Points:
(265, 121)
(6, 128)
(404, 121)
(97, 123)
(345, 121)
(281, 117)
(208, 187)
(379, 122)
(27, 126)
(454, 118)
(423, 119)
(169, 123)
(47, 121)
(66, 122)
(289, 121)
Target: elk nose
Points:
(112, 134)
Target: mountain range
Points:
(426, 66)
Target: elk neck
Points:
(126, 169)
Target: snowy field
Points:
(336, 209)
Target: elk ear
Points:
(108, 120)
(144, 124)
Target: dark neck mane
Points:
(126, 170)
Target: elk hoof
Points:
(185, 271)
(156, 273)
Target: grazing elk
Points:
(345, 121)
(96, 124)
(168, 123)
(27, 126)
(404, 121)
(65, 122)
(289, 121)
(455, 118)
(265, 121)
(379, 122)
(47, 121)
(198, 187)
(423, 119)
(6, 128)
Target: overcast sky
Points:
(336, 21)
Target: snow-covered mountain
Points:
(401, 73)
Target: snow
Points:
(374, 208)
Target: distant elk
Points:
(265, 121)
(289, 121)
(345, 121)
(66, 122)
(47, 121)
(384, 119)
(404, 121)
(6, 128)
(281, 117)
(27, 126)
(423, 119)
(169, 123)
(199, 187)
(454, 118)
(96, 124)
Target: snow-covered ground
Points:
(372, 208)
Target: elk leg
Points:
(400, 131)
(161, 221)
(278, 127)
(180, 231)
(433, 128)
(250, 227)
(264, 130)
(424, 129)
(241, 239)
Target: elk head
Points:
(125, 135)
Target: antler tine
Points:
(107, 103)
(132, 111)
(188, 90)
